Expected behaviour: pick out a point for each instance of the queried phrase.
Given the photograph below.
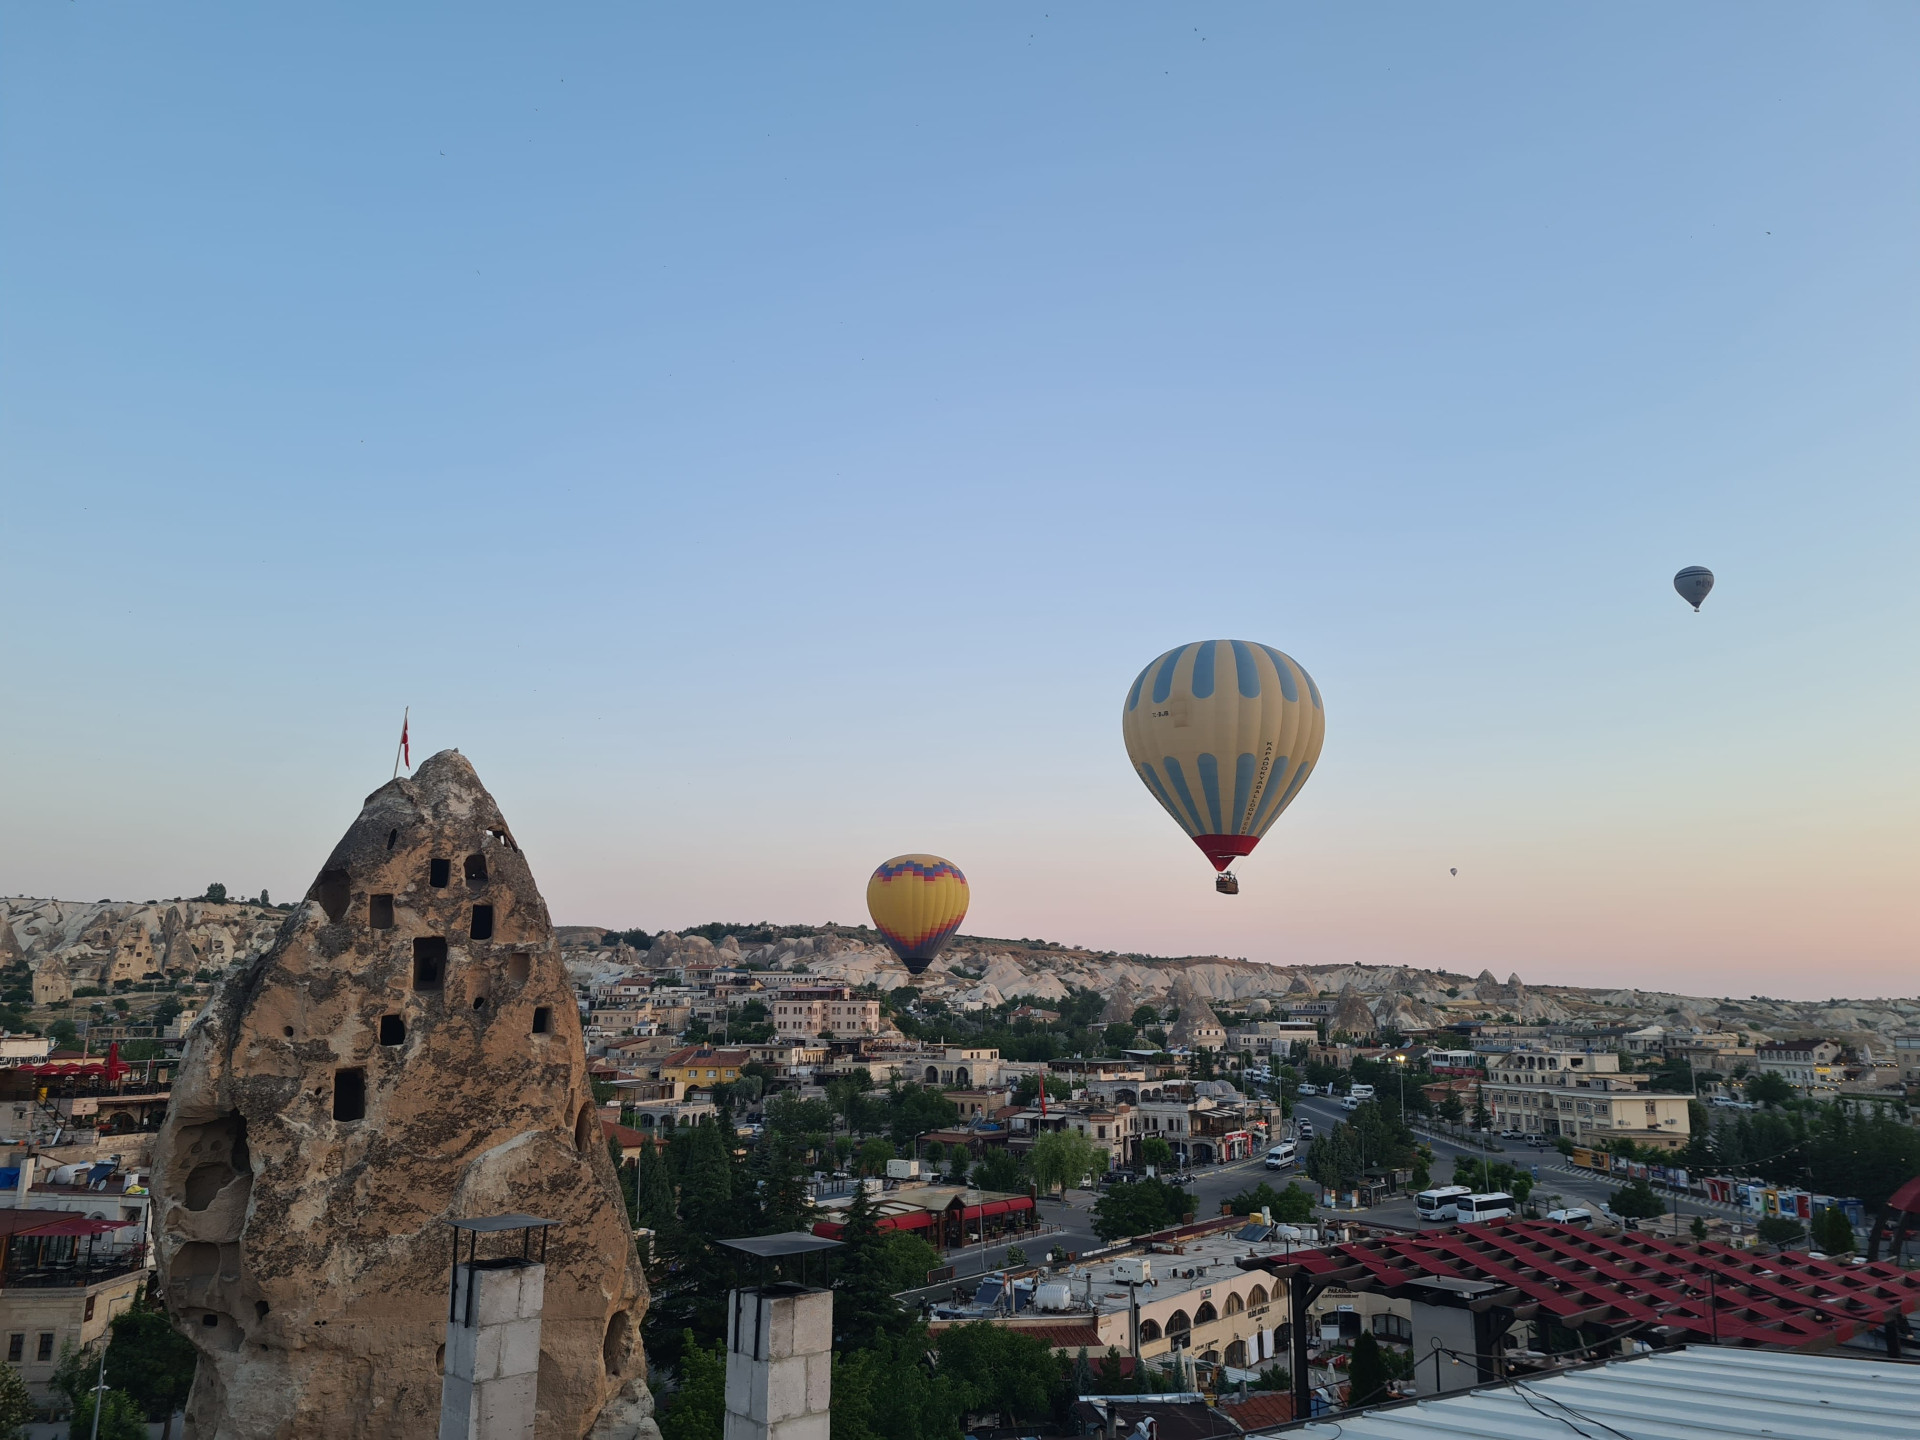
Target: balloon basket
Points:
(1227, 883)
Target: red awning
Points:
(996, 1207)
(78, 1225)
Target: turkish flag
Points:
(406, 751)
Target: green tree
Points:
(151, 1361)
(864, 1307)
(1832, 1231)
(1144, 1016)
(653, 1204)
(1769, 1088)
(1291, 1206)
(698, 1411)
(999, 1170)
(1139, 1209)
(887, 1392)
(906, 1259)
(1367, 1373)
(1118, 1036)
(63, 1034)
(1027, 1092)
(119, 1418)
(1636, 1201)
(217, 893)
(16, 1406)
(874, 1156)
(1699, 1227)
(1064, 1158)
(1000, 1369)
(1156, 1152)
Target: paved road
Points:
(1556, 1176)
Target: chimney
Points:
(492, 1375)
(779, 1348)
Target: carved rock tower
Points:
(407, 1051)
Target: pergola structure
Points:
(1624, 1285)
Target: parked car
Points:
(1306, 1129)
(1512, 1135)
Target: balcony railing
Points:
(75, 1274)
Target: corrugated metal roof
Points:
(1699, 1393)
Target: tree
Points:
(1451, 1110)
(1139, 1209)
(63, 1034)
(653, 1204)
(1118, 1036)
(1832, 1231)
(1156, 1152)
(1064, 1158)
(1290, 1206)
(151, 1361)
(1779, 1230)
(999, 1170)
(1367, 1374)
(1769, 1088)
(907, 1259)
(874, 1156)
(16, 1406)
(1000, 1369)
(1144, 1016)
(217, 893)
(119, 1418)
(865, 1307)
(887, 1392)
(1699, 1227)
(699, 1406)
(1028, 1090)
(1636, 1201)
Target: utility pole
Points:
(100, 1393)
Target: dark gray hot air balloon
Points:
(1693, 583)
(1454, 871)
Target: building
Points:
(1811, 1066)
(1906, 1053)
(703, 1067)
(1581, 1095)
(63, 1277)
(1266, 1038)
(804, 1012)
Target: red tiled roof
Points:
(609, 1130)
(1259, 1410)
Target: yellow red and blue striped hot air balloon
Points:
(917, 902)
(1224, 733)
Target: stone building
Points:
(407, 1051)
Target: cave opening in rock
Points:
(542, 1020)
(439, 872)
(333, 890)
(476, 870)
(482, 927)
(350, 1094)
(429, 962)
(380, 912)
(393, 1030)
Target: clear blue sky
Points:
(769, 439)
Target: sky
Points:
(768, 439)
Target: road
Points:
(1558, 1183)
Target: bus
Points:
(1494, 1205)
(1440, 1204)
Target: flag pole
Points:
(404, 715)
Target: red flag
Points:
(406, 750)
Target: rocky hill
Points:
(982, 973)
(70, 943)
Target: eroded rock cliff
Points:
(407, 1051)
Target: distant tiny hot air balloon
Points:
(1694, 583)
(1453, 872)
(1224, 733)
(917, 902)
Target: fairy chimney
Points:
(406, 1052)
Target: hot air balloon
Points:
(1453, 872)
(1694, 583)
(917, 902)
(1224, 733)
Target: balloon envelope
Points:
(1693, 583)
(917, 902)
(1224, 733)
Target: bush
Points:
(1638, 1202)
(1779, 1230)
(16, 1407)
(119, 1418)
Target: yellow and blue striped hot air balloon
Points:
(1224, 733)
(917, 902)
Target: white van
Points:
(1439, 1204)
(1579, 1215)
(1494, 1205)
(1350, 1103)
(1309, 1089)
(1361, 1092)
(1282, 1155)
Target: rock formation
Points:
(407, 1051)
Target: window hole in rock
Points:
(584, 1127)
(613, 1350)
(350, 1094)
(287, 1030)
(429, 962)
(380, 912)
(392, 835)
(542, 1020)
(519, 967)
(476, 870)
(262, 1309)
(393, 1030)
(439, 872)
(482, 927)
(479, 1002)
(332, 890)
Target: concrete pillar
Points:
(493, 1351)
(779, 1363)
